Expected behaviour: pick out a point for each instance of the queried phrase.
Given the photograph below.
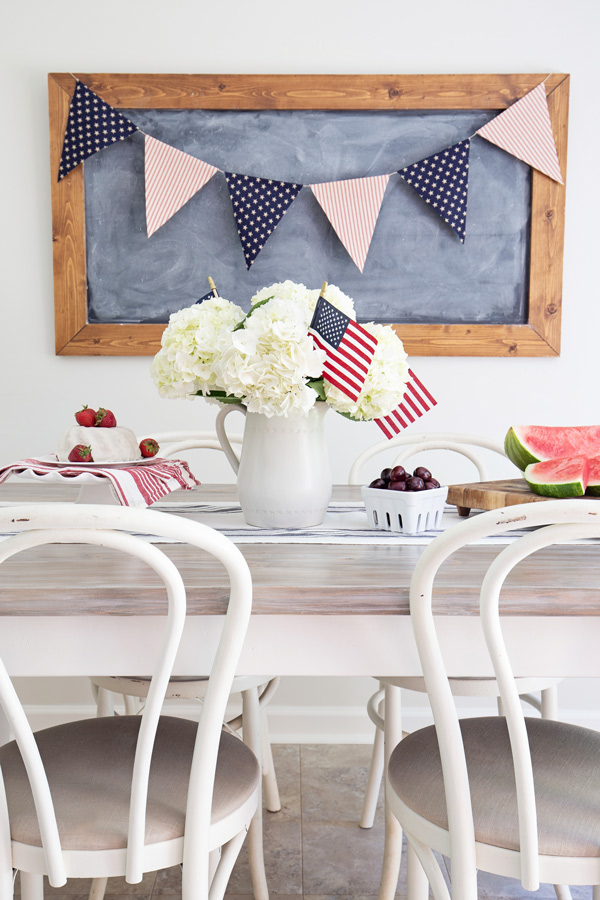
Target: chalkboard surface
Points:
(416, 271)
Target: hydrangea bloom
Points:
(269, 360)
(305, 298)
(267, 363)
(385, 382)
(191, 344)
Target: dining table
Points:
(326, 601)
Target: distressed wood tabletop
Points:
(289, 578)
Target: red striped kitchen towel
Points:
(134, 485)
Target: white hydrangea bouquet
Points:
(267, 361)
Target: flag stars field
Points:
(263, 202)
(83, 136)
(445, 169)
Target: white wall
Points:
(39, 391)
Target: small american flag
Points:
(416, 401)
(349, 348)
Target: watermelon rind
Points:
(593, 487)
(558, 478)
(516, 452)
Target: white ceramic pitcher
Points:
(283, 473)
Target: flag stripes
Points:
(342, 369)
(525, 131)
(417, 400)
(352, 207)
(172, 178)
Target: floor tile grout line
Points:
(301, 822)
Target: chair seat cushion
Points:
(566, 770)
(89, 765)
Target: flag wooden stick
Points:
(323, 289)
(213, 286)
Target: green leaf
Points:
(348, 416)
(247, 316)
(221, 396)
(318, 387)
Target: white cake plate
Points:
(91, 488)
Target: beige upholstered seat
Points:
(566, 770)
(91, 794)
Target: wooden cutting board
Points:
(491, 495)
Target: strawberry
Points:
(105, 419)
(86, 417)
(148, 447)
(81, 453)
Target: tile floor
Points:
(314, 848)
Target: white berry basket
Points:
(407, 511)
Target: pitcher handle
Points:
(222, 435)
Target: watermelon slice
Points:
(559, 477)
(526, 444)
(593, 486)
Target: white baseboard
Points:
(300, 724)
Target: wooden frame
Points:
(539, 336)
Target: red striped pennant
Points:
(352, 207)
(525, 131)
(172, 178)
(417, 400)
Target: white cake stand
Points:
(91, 488)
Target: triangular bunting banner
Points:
(525, 131)
(352, 207)
(416, 402)
(442, 180)
(258, 206)
(172, 178)
(92, 125)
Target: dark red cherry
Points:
(397, 486)
(398, 473)
(385, 474)
(414, 483)
(423, 473)
(378, 483)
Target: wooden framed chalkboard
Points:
(499, 294)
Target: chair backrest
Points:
(411, 444)
(121, 528)
(175, 442)
(555, 521)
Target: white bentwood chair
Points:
(256, 692)
(388, 724)
(124, 795)
(518, 797)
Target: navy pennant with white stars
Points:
(92, 125)
(442, 180)
(208, 296)
(258, 206)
